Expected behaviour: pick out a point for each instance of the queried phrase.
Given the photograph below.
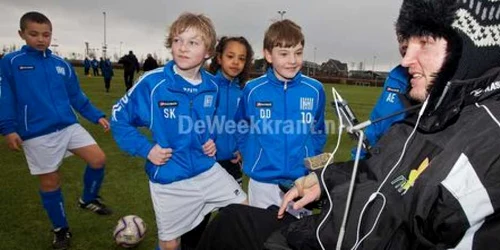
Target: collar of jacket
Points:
(274, 80)
(222, 80)
(207, 84)
(34, 52)
(400, 74)
(456, 95)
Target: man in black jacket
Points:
(149, 64)
(433, 181)
(130, 65)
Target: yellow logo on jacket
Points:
(403, 184)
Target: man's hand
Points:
(209, 148)
(14, 141)
(104, 123)
(306, 187)
(237, 158)
(158, 155)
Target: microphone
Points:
(367, 123)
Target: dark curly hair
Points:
(219, 49)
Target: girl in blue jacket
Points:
(231, 67)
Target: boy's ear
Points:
(267, 55)
(20, 32)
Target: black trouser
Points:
(86, 71)
(107, 83)
(129, 79)
(96, 71)
(243, 227)
(190, 239)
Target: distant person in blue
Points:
(95, 66)
(107, 72)
(40, 93)
(388, 103)
(86, 66)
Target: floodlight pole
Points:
(314, 71)
(373, 65)
(104, 46)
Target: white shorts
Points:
(45, 153)
(263, 195)
(180, 206)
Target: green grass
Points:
(23, 222)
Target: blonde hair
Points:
(284, 33)
(200, 22)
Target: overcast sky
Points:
(351, 31)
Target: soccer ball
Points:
(129, 231)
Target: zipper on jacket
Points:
(257, 161)
(227, 109)
(286, 136)
(191, 137)
(26, 117)
(49, 81)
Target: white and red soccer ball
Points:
(129, 231)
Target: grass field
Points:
(23, 223)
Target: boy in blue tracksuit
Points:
(39, 94)
(86, 66)
(95, 66)
(285, 113)
(231, 65)
(177, 103)
(107, 73)
(388, 103)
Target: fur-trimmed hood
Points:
(471, 29)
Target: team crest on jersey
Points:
(306, 103)
(26, 67)
(164, 104)
(61, 70)
(209, 99)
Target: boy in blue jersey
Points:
(39, 92)
(176, 102)
(389, 102)
(285, 113)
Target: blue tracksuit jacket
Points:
(107, 69)
(39, 92)
(177, 113)
(286, 124)
(229, 96)
(388, 103)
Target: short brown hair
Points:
(200, 22)
(284, 33)
(35, 17)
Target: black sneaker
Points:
(95, 206)
(62, 237)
